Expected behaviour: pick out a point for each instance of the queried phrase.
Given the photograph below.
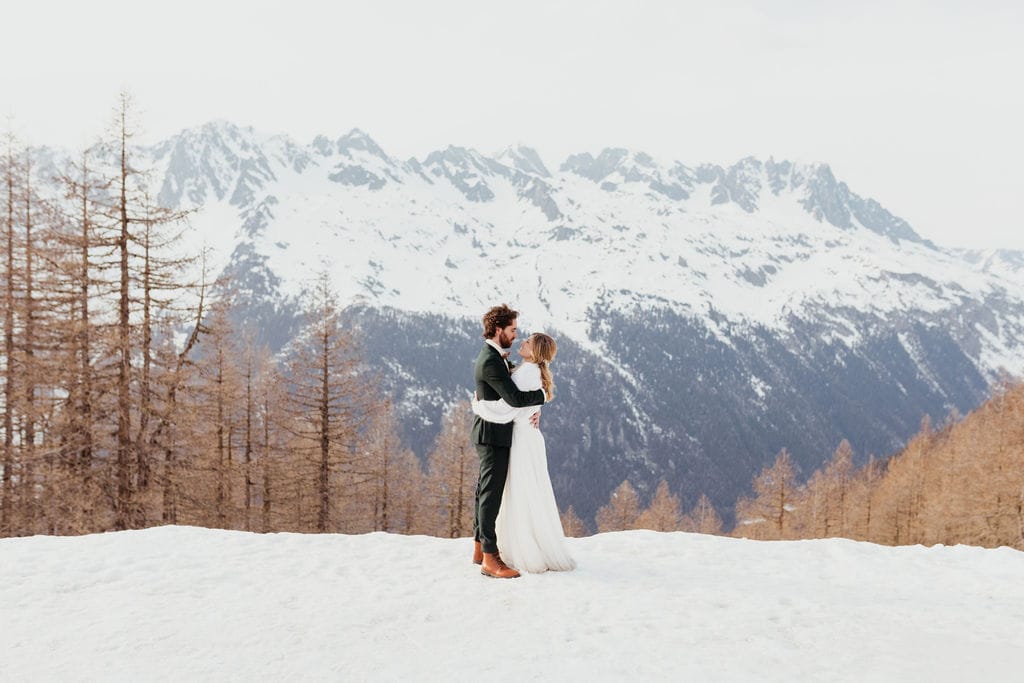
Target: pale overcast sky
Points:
(916, 104)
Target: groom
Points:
(493, 441)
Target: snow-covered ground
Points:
(178, 603)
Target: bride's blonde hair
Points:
(544, 349)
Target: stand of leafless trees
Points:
(129, 397)
(963, 483)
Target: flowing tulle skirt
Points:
(528, 527)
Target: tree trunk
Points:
(123, 504)
(29, 369)
(221, 475)
(459, 502)
(7, 501)
(85, 367)
(265, 458)
(145, 399)
(325, 439)
(384, 489)
(248, 443)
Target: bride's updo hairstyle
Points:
(544, 349)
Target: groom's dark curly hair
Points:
(498, 317)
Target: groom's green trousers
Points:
(489, 488)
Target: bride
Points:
(528, 529)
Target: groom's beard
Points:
(505, 341)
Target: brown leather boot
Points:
(493, 566)
(478, 553)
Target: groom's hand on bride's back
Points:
(535, 420)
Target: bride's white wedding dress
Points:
(528, 527)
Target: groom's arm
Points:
(495, 374)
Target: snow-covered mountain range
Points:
(757, 242)
(707, 316)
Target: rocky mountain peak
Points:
(322, 145)
(616, 166)
(216, 160)
(357, 140)
(525, 159)
(599, 168)
(466, 169)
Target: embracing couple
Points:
(516, 524)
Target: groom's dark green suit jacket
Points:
(493, 381)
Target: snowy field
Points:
(179, 603)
